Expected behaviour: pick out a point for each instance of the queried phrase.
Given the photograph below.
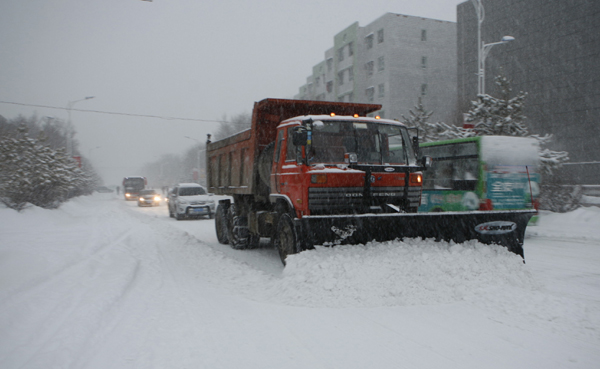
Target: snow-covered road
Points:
(101, 283)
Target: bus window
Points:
(499, 172)
(465, 172)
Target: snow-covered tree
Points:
(230, 127)
(499, 116)
(504, 117)
(32, 172)
(428, 132)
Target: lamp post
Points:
(482, 48)
(70, 134)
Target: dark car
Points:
(149, 198)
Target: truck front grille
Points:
(324, 200)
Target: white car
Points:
(190, 200)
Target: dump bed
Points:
(232, 162)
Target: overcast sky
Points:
(170, 58)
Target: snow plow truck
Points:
(323, 173)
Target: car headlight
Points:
(127, 195)
(157, 198)
(141, 199)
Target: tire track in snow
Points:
(40, 282)
(73, 296)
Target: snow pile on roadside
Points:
(414, 272)
(580, 224)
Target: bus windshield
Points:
(134, 182)
(373, 143)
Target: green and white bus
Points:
(481, 173)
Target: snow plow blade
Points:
(506, 228)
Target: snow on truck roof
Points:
(341, 117)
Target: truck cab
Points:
(334, 165)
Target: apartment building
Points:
(396, 61)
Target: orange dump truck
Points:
(323, 173)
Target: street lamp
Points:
(70, 134)
(484, 49)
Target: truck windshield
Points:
(373, 143)
(134, 182)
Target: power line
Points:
(112, 113)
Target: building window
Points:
(381, 90)
(424, 89)
(330, 86)
(380, 64)
(318, 81)
(370, 93)
(423, 62)
(340, 53)
(369, 68)
(350, 49)
(369, 41)
(329, 64)
(380, 36)
(350, 74)
(423, 35)
(341, 78)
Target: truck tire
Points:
(221, 225)
(238, 234)
(286, 237)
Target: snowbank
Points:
(414, 272)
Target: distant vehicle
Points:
(149, 198)
(103, 189)
(132, 187)
(190, 200)
(481, 173)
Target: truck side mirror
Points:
(415, 142)
(426, 161)
(300, 136)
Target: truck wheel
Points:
(238, 234)
(221, 225)
(232, 234)
(171, 214)
(286, 239)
